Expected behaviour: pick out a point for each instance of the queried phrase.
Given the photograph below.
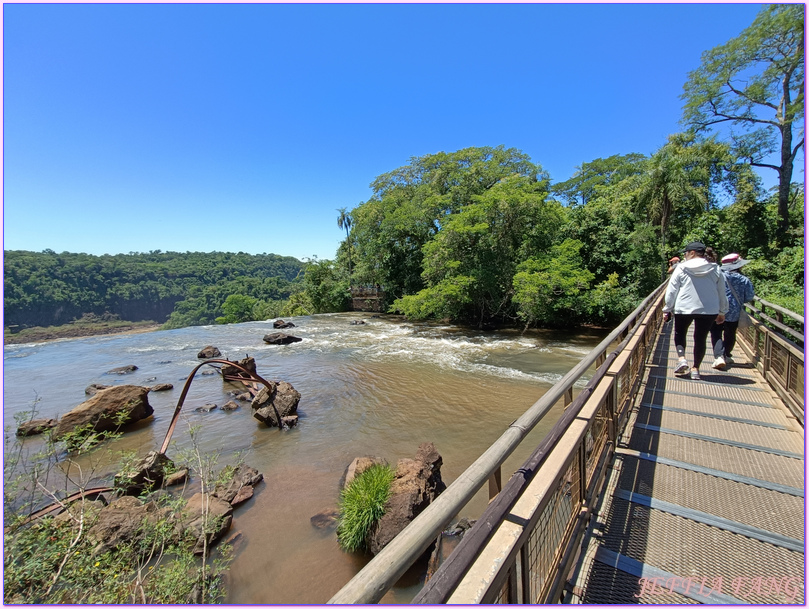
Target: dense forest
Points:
(180, 289)
(483, 236)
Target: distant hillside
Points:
(46, 288)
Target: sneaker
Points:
(695, 375)
(729, 360)
(719, 363)
(682, 366)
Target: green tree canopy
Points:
(754, 84)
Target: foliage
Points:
(362, 503)
(754, 84)
(47, 288)
(780, 280)
(53, 560)
(411, 205)
(551, 289)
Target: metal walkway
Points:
(704, 502)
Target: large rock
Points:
(417, 483)
(207, 519)
(123, 520)
(280, 400)
(240, 487)
(108, 409)
(209, 352)
(280, 324)
(279, 338)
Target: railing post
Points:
(495, 482)
(568, 396)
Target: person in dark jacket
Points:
(723, 335)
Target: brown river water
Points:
(378, 389)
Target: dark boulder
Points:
(107, 410)
(209, 352)
(280, 324)
(206, 408)
(278, 338)
(230, 405)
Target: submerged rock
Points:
(35, 427)
(123, 370)
(278, 338)
(280, 324)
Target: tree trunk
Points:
(784, 180)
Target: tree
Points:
(755, 84)
(681, 182)
(581, 188)
(344, 221)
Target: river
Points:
(380, 389)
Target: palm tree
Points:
(681, 179)
(344, 221)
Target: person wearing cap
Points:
(695, 294)
(738, 288)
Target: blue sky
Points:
(135, 127)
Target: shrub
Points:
(362, 503)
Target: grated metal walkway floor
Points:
(705, 499)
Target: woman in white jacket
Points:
(696, 294)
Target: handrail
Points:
(779, 322)
(377, 577)
(523, 545)
(780, 309)
(780, 361)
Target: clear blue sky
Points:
(136, 127)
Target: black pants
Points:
(702, 325)
(723, 338)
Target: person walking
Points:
(739, 289)
(695, 294)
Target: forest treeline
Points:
(483, 235)
(178, 289)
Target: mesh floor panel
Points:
(734, 564)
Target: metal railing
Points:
(579, 472)
(768, 343)
(523, 545)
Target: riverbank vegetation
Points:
(483, 236)
(66, 558)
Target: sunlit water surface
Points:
(376, 389)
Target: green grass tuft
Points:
(362, 503)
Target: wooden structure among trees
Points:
(367, 298)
